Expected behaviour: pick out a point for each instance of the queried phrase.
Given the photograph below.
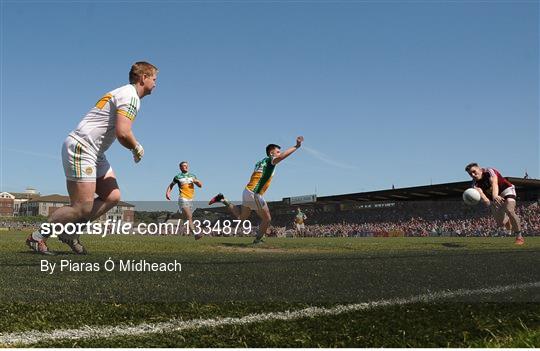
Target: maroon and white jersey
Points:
(506, 189)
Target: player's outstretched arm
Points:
(197, 182)
(289, 151)
(125, 136)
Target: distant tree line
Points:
(152, 216)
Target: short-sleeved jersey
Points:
(485, 182)
(261, 176)
(185, 184)
(97, 128)
(299, 218)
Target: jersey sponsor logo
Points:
(186, 185)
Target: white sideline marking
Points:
(96, 332)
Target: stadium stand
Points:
(429, 210)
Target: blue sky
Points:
(402, 93)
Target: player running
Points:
(186, 184)
(499, 194)
(299, 220)
(83, 155)
(252, 197)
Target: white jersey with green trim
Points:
(97, 128)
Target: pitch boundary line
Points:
(175, 325)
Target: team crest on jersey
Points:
(89, 170)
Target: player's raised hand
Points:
(299, 141)
(137, 152)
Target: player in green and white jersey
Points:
(186, 182)
(252, 197)
(299, 222)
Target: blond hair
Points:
(139, 69)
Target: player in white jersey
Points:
(83, 155)
(186, 185)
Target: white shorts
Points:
(509, 193)
(183, 203)
(81, 164)
(252, 200)
(300, 226)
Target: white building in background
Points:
(28, 194)
(45, 205)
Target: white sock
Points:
(37, 235)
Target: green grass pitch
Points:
(229, 277)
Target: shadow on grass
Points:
(453, 245)
(238, 245)
(35, 254)
(54, 253)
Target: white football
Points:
(471, 196)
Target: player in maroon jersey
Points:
(498, 193)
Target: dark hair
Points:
(470, 165)
(180, 164)
(271, 147)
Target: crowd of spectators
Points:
(19, 225)
(425, 218)
(410, 219)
